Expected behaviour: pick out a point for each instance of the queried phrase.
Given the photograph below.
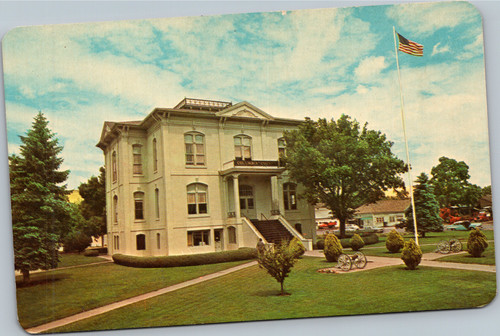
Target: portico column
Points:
(274, 193)
(281, 202)
(236, 193)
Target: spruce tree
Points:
(427, 208)
(38, 199)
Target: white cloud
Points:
(438, 49)
(369, 68)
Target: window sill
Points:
(196, 167)
(139, 221)
(137, 175)
(199, 216)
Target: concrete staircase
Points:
(272, 230)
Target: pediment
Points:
(245, 110)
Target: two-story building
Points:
(203, 176)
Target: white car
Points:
(351, 228)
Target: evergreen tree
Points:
(427, 208)
(40, 211)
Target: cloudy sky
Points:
(316, 63)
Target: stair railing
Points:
(263, 216)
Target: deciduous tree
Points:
(342, 164)
(278, 261)
(39, 209)
(93, 206)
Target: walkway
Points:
(119, 304)
(428, 259)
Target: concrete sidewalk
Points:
(135, 299)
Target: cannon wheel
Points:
(344, 262)
(443, 247)
(360, 260)
(455, 245)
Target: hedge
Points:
(244, 253)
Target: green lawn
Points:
(70, 259)
(251, 294)
(488, 257)
(60, 293)
(382, 251)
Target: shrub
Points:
(371, 238)
(278, 261)
(411, 254)
(76, 242)
(320, 244)
(333, 249)
(356, 242)
(394, 242)
(297, 247)
(476, 243)
(245, 253)
(91, 253)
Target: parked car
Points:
(369, 228)
(351, 228)
(463, 226)
(325, 225)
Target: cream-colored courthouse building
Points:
(203, 176)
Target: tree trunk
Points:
(282, 288)
(342, 227)
(26, 276)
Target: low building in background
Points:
(383, 213)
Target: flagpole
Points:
(406, 140)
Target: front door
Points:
(218, 239)
(247, 202)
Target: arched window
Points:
(195, 149)
(157, 203)
(116, 241)
(139, 204)
(242, 147)
(137, 155)
(197, 199)
(155, 156)
(115, 209)
(281, 147)
(231, 233)
(140, 241)
(290, 196)
(113, 167)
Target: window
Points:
(155, 156)
(290, 196)
(158, 241)
(139, 204)
(113, 167)
(157, 203)
(116, 242)
(195, 149)
(136, 152)
(197, 199)
(140, 241)
(281, 147)
(392, 219)
(298, 227)
(115, 209)
(243, 147)
(380, 220)
(231, 233)
(246, 197)
(198, 238)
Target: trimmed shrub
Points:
(320, 244)
(76, 242)
(244, 253)
(333, 248)
(476, 243)
(411, 254)
(297, 247)
(394, 242)
(371, 238)
(91, 253)
(356, 242)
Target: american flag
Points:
(410, 47)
